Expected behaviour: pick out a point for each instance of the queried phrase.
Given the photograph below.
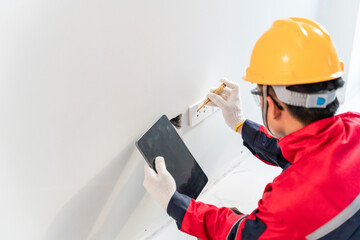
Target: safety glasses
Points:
(256, 94)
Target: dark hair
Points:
(309, 115)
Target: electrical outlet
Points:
(196, 116)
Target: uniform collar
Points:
(313, 137)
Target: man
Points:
(317, 196)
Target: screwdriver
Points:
(217, 91)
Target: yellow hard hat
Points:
(294, 51)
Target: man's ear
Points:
(273, 111)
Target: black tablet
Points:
(163, 140)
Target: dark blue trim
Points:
(177, 207)
(234, 230)
(253, 228)
(261, 145)
(349, 230)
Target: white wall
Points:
(339, 18)
(352, 97)
(82, 80)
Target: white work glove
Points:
(230, 103)
(160, 185)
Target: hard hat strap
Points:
(307, 100)
(265, 105)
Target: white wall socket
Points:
(195, 116)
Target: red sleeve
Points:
(209, 222)
(202, 220)
(206, 221)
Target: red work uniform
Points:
(317, 196)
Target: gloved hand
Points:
(160, 185)
(230, 103)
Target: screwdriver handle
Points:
(217, 91)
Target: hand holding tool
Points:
(230, 104)
(217, 91)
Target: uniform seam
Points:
(237, 230)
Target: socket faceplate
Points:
(195, 116)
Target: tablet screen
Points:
(163, 140)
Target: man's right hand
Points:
(229, 102)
